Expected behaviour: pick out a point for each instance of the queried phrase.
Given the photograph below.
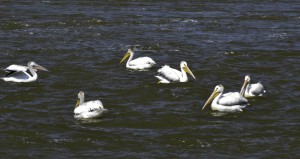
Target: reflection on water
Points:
(84, 121)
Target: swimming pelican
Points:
(252, 90)
(138, 63)
(168, 74)
(228, 102)
(90, 109)
(18, 73)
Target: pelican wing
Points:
(142, 61)
(16, 68)
(18, 75)
(162, 79)
(89, 107)
(169, 73)
(232, 98)
(257, 89)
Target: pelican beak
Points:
(77, 103)
(39, 67)
(187, 70)
(244, 88)
(209, 100)
(125, 56)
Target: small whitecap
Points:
(190, 21)
(278, 35)
(203, 144)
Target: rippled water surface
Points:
(82, 43)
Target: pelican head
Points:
(218, 89)
(35, 66)
(80, 99)
(128, 53)
(185, 67)
(246, 82)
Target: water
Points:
(82, 42)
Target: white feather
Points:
(138, 63)
(17, 68)
(228, 102)
(142, 61)
(252, 90)
(91, 109)
(18, 73)
(162, 79)
(168, 74)
(232, 98)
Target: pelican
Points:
(18, 73)
(168, 74)
(252, 90)
(138, 63)
(228, 102)
(87, 110)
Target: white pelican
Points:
(228, 102)
(252, 90)
(168, 74)
(86, 110)
(18, 73)
(138, 63)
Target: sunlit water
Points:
(82, 43)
